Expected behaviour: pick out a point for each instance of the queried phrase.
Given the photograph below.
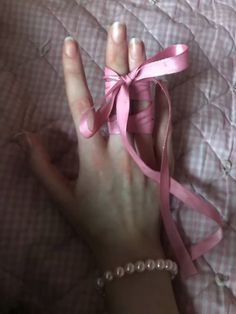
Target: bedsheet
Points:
(44, 266)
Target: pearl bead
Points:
(119, 272)
(108, 275)
(150, 264)
(129, 268)
(168, 265)
(160, 264)
(175, 268)
(221, 280)
(100, 283)
(139, 266)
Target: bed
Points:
(44, 266)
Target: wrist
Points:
(109, 257)
(135, 294)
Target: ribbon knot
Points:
(129, 78)
(135, 85)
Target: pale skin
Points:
(112, 204)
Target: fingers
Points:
(117, 59)
(117, 48)
(137, 54)
(143, 142)
(79, 97)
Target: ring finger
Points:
(143, 142)
(117, 60)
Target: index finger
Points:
(79, 97)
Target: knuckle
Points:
(72, 70)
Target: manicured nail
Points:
(136, 48)
(118, 32)
(71, 47)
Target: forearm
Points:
(139, 293)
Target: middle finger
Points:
(117, 60)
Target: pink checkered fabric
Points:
(44, 266)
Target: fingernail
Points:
(24, 140)
(118, 32)
(71, 47)
(136, 48)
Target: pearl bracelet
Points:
(138, 267)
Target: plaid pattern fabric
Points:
(44, 266)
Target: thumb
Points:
(47, 174)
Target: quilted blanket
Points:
(44, 266)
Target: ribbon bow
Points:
(118, 91)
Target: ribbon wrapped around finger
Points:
(120, 89)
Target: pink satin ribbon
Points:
(135, 84)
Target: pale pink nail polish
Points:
(71, 47)
(118, 32)
(136, 48)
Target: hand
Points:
(112, 203)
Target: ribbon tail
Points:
(182, 255)
(204, 246)
(184, 260)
